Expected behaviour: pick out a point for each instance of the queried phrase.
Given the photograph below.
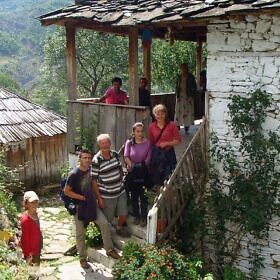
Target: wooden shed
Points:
(35, 137)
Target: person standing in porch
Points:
(114, 94)
(185, 92)
(164, 135)
(137, 156)
(144, 93)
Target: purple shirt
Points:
(138, 152)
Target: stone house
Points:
(243, 53)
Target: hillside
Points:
(22, 36)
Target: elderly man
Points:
(77, 180)
(107, 180)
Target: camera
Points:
(72, 208)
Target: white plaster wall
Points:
(244, 55)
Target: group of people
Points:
(97, 186)
(189, 99)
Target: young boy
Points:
(31, 236)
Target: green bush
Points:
(232, 273)
(12, 267)
(144, 262)
(93, 235)
(7, 183)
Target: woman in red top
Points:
(31, 236)
(163, 135)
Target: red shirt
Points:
(111, 97)
(31, 236)
(170, 133)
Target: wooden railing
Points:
(185, 182)
(87, 119)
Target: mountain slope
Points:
(22, 36)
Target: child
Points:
(31, 236)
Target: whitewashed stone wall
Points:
(244, 55)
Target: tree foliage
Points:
(166, 60)
(8, 44)
(9, 83)
(99, 58)
(245, 190)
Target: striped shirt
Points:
(108, 175)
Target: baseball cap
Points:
(30, 196)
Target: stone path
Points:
(56, 225)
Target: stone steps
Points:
(138, 234)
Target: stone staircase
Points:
(138, 234)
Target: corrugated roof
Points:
(21, 119)
(137, 12)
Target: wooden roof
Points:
(20, 119)
(116, 16)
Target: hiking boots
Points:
(113, 254)
(123, 232)
(143, 222)
(136, 221)
(84, 264)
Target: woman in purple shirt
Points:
(137, 155)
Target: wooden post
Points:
(71, 62)
(151, 235)
(133, 66)
(198, 62)
(147, 65)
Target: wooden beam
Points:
(147, 65)
(198, 62)
(71, 63)
(133, 66)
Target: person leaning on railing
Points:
(114, 94)
(164, 135)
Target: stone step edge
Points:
(119, 241)
(99, 254)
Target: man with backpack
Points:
(110, 192)
(78, 180)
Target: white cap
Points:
(30, 196)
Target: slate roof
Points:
(140, 12)
(21, 119)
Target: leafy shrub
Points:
(245, 181)
(232, 273)
(93, 235)
(12, 267)
(144, 262)
(7, 182)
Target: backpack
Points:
(69, 203)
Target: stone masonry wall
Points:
(243, 55)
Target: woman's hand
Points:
(164, 144)
(128, 163)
